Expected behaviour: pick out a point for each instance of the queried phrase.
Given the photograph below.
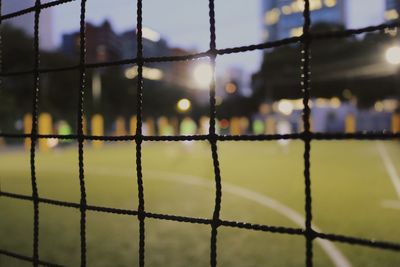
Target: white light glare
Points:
(285, 107)
(151, 35)
(393, 55)
(183, 104)
(148, 73)
(203, 75)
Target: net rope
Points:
(36, 83)
(212, 137)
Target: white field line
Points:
(337, 258)
(333, 253)
(389, 166)
(391, 204)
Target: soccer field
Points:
(263, 183)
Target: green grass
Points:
(349, 183)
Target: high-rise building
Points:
(392, 9)
(284, 18)
(26, 21)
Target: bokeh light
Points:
(203, 75)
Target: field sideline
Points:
(353, 189)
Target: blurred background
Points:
(353, 79)
(355, 86)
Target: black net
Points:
(212, 137)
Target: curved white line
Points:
(389, 167)
(337, 258)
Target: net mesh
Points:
(212, 137)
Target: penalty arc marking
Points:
(337, 257)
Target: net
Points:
(212, 137)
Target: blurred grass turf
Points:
(349, 183)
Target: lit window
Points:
(148, 73)
(330, 3)
(315, 4)
(272, 16)
(391, 14)
(379, 106)
(295, 32)
(150, 34)
(287, 10)
(297, 6)
(335, 102)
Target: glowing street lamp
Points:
(183, 105)
(392, 55)
(285, 107)
(203, 74)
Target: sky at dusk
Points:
(183, 23)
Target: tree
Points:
(58, 90)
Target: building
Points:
(102, 43)
(233, 82)
(180, 72)
(153, 44)
(284, 18)
(26, 22)
(349, 68)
